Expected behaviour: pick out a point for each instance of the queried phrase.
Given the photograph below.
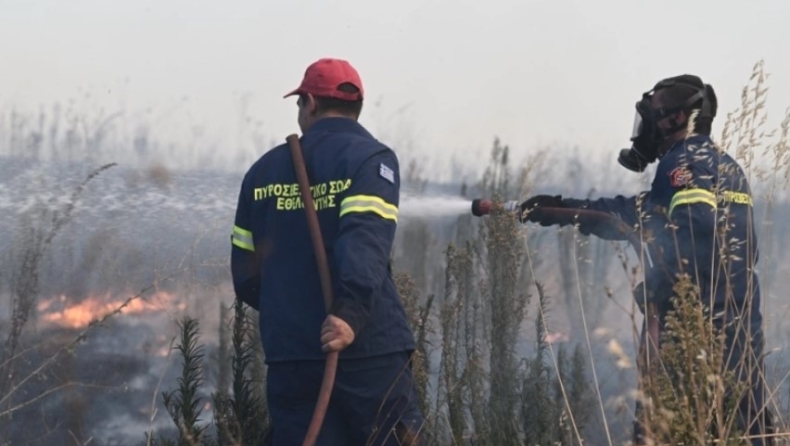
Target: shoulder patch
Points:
(679, 176)
(386, 173)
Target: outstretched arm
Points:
(537, 209)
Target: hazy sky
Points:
(531, 72)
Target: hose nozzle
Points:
(481, 206)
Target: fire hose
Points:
(648, 345)
(326, 287)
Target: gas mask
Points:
(646, 136)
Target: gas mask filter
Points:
(646, 136)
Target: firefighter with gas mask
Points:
(699, 219)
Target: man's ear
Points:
(311, 104)
(678, 119)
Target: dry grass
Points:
(486, 368)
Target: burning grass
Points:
(62, 312)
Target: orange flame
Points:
(92, 308)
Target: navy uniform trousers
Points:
(374, 402)
(754, 417)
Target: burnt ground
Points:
(107, 385)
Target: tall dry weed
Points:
(418, 314)
(507, 307)
(693, 397)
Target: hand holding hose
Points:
(336, 334)
(533, 210)
(540, 209)
(551, 210)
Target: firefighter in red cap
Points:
(698, 215)
(355, 182)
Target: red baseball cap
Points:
(324, 76)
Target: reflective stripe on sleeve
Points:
(692, 196)
(242, 238)
(369, 203)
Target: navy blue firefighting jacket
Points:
(697, 217)
(355, 182)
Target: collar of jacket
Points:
(693, 140)
(337, 125)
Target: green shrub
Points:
(241, 417)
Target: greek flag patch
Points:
(387, 173)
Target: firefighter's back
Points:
(291, 303)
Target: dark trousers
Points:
(744, 356)
(374, 402)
